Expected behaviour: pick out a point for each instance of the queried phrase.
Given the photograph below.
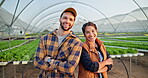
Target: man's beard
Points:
(65, 29)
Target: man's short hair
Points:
(71, 10)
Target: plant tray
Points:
(3, 63)
(24, 62)
(16, 62)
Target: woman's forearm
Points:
(104, 69)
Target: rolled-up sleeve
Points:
(40, 55)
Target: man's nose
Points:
(67, 20)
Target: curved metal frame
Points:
(74, 2)
(49, 18)
(141, 9)
(69, 2)
(125, 17)
(45, 21)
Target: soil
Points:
(139, 69)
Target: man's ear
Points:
(59, 19)
(74, 18)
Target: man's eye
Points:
(71, 19)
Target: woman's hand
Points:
(108, 61)
(105, 62)
(102, 67)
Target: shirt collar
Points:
(70, 34)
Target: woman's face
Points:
(90, 33)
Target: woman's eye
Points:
(86, 32)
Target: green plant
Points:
(24, 52)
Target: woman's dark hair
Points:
(88, 24)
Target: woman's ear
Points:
(84, 34)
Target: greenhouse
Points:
(122, 26)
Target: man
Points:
(59, 52)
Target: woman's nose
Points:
(91, 33)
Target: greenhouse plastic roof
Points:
(33, 16)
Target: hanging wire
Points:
(125, 68)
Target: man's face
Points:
(67, 21)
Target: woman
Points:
(94, 61)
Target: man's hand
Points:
(51, 62)
(46, 58)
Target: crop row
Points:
(5, 44)
(138, 45)
(25, 52)
(116, 51)
(145, 38)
